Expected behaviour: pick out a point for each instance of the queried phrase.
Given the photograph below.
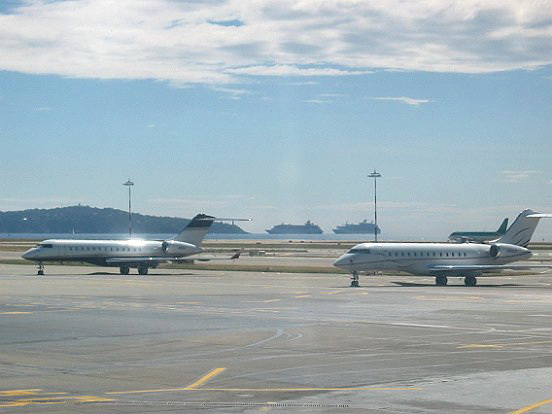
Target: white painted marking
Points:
(419, 325)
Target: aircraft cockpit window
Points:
(45, 245)
(359, 251)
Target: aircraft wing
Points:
(200, 258)
(151, 260)
(139, 260)
(486, 268)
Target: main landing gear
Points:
(470, 281)
(354, 279)
(125, 270)
(40, 271)
(441, 280)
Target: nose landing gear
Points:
(40, 271)
(354, 279)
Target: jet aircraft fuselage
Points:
(428, 258)
(141, 254)
(109, 252)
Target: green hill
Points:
(84, 219)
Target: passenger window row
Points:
(429, 254)
(104, 249)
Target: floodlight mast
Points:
(375, 175)
(129, 184)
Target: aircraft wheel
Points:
(142, 270)
(354, 279)
(124, 270)
(40, 273)
(441, 280)
(470, 281)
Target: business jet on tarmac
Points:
(140, 254)
(467, 260)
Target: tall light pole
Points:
(375, 175)
(129, 184)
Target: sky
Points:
(278, 110)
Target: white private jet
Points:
(140, 254)
(467, 260)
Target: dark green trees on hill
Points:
(84, 219)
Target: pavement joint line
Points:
(532, 406)
(15, 313)
(297, 389)
(309, 389)
(502, 345)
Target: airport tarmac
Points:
(88, 340)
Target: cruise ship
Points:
(361, 228)
(307, 228)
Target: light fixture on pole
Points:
(375, 175)
(129, 184)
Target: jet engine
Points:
(171, 247)
(494, 251)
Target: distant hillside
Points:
(84, 219)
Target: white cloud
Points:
(402, 99)
(316, 101)
(222, 42)
(234, 92)
(293, 70)
(333, 95)
(511, 176)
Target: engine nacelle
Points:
(176, 248)
(494, 251)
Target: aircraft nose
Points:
(29, 254)
(343, 261)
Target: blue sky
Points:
(277, 110)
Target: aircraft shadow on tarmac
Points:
(143, 276)
(413, 284)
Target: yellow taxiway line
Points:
(55, 400)
(194, 386)
(17, 393)
(532, 407)
(206, 378)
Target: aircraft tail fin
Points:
(196, 230)
(522, 229)
(503, 226)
